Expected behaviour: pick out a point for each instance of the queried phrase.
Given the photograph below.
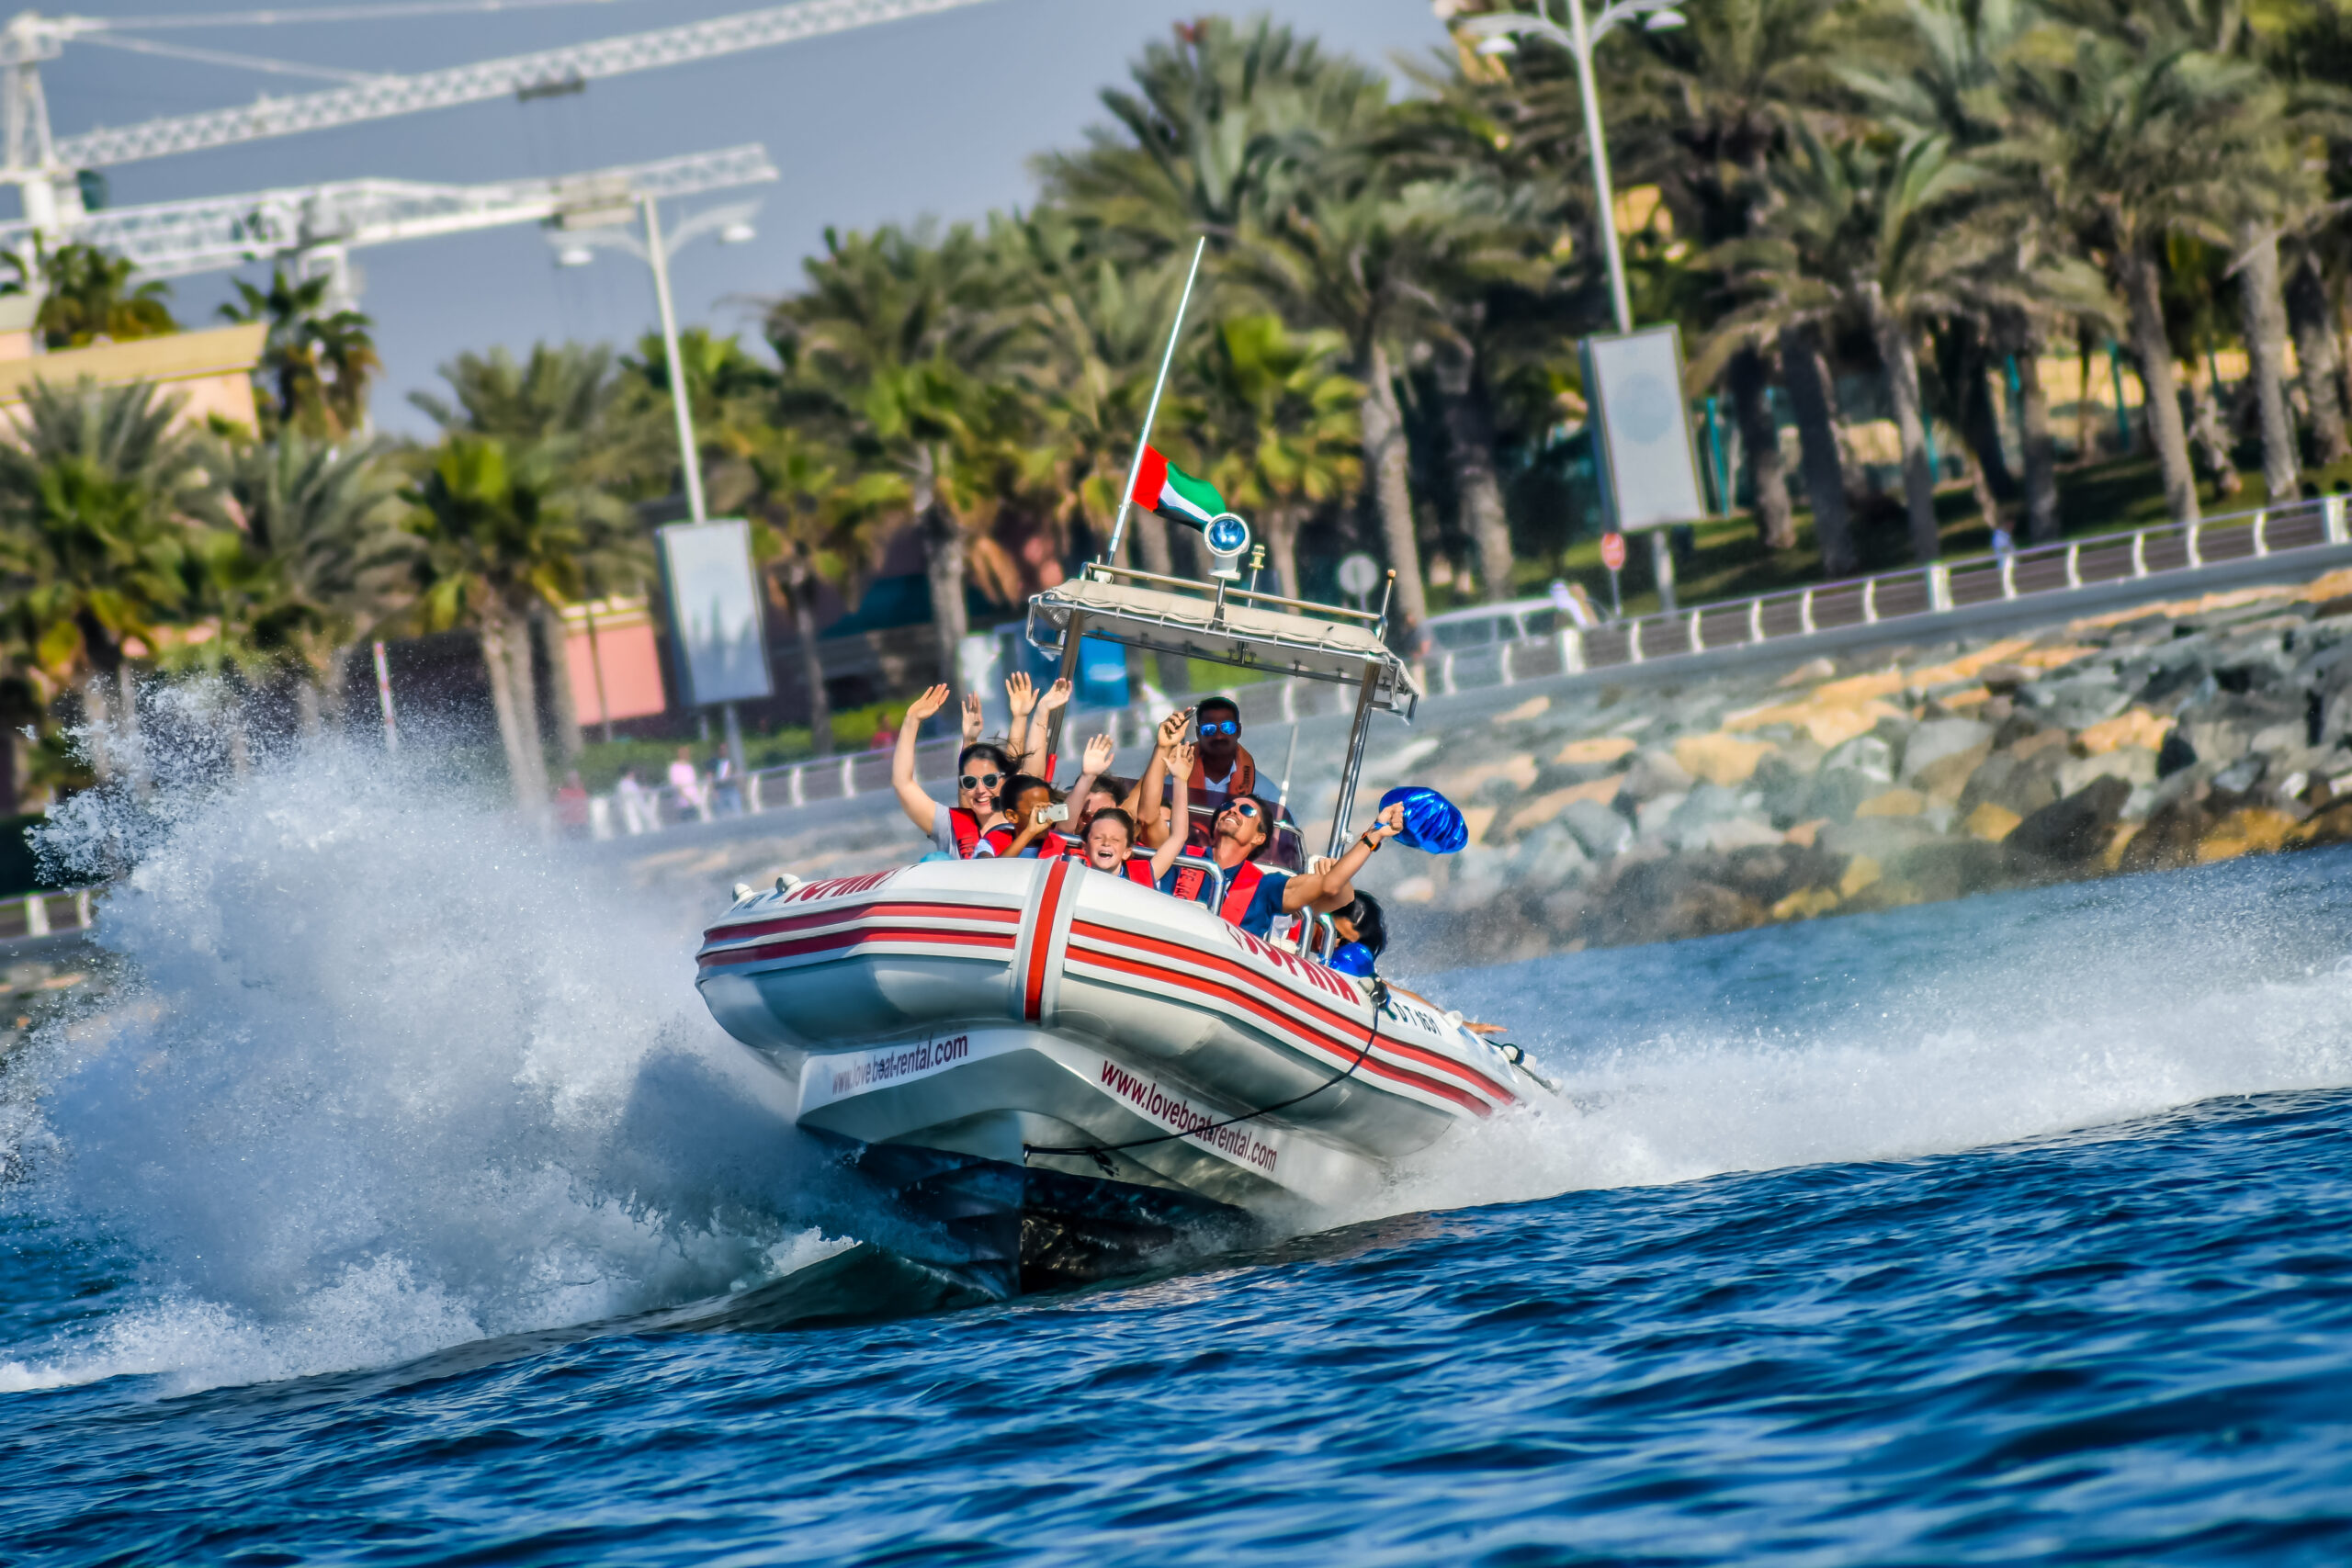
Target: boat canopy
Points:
(1226, 626)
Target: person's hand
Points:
(972, 720)
(1099, 754)
(923, 706)
(1485, 1028)
(1172, 727)
(1039, 817)
(1387, 825)
(1053, 696)
(1180, 760)
(1019, 693)
(1318, 864)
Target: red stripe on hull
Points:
(999, 941)
(893, 909)
(1241, 998)
(1041, 941)
(1347, 1027)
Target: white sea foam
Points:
(2151, 995)
(390, 1075)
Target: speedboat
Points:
(1068, 1073)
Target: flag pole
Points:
(1127, 486)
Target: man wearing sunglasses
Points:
(1225, 770)
(1255, 897)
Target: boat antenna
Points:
(1127, 485)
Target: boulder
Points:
(2175, 753)
(1651, 817)
(1943, 753)
(1868, 755)
(1548, 857)
(1599, 831)
(1654, 772)
(2072, 830)
(1664, 899)
(1879, 839)
(1719, 758)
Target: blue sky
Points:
(936, 115)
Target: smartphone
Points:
(1052, 813)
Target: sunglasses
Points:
(1223, 726)
(1243, 808)
(986, 781)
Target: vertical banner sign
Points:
(715, 611)
(1633, 381)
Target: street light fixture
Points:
(576, 247)
(1501, 33)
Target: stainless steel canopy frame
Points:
(1220, 624)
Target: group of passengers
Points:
(1007, 805)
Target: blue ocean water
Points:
(390, 1218)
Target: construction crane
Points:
(316, 227)
(45, 169)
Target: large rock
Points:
(1599, 831)
(1654, 774)
(1663, 900)
(2072, 830)
(1943, 741)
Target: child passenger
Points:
(1111, 842)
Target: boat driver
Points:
(1225, 770)
(959, 831)
(1255, 897)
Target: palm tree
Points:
(316, 364)
(104, 506)
(503, 531)
(2130, 144)
(1902, 237)
(893, 349)
(321, 527)
(1698, 113)
(1282, 422)
(87, 296)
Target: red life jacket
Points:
(1240, 888)
(971, 842)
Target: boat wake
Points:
(382, 1073)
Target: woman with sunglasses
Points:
(959, 831)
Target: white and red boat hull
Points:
(1008, 1010)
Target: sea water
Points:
(398, 1202)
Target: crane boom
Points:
(552, 69)
(174, 238)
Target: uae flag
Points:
(1163, 486)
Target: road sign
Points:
(1612, 551)
(1358, 574)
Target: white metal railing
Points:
(30, 915)
(1946, 586)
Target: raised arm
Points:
(1034, 759)
(921, 808)
(1150, 788)
(1099, 754)
(1019, 697)
(1180, 766)
(1335, 883)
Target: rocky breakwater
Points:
(2160, 737)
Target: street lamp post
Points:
(1499, 32)
(732, 224)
